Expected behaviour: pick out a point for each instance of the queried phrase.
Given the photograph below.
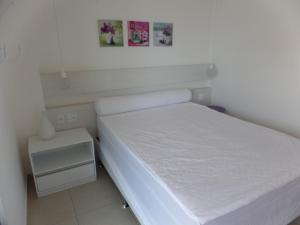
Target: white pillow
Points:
(120, 104)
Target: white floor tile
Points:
(67, 221)
(110, 215)
(95, 195)
(50, 210)
(296, 222)
(94, 203)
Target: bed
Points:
(180, 163)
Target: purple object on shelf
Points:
(217, 108)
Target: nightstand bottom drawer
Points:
(66, 178)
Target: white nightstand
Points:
(64, 162)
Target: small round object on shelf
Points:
(217, 108)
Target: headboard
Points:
(70, 103)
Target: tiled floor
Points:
(97, 203)
(296, 222)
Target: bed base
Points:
(141, 198)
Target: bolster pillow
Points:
(120, 104)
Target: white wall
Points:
(78, 31)
(12, 186)
(20, 102)
(102, 71)
(98, 69)
(20, 80)
(255, 46)
(30, 24)
(257, 51)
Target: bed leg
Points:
(124, 204)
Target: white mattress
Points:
(219, 170)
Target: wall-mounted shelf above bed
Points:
(88, 86)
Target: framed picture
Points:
(110, 33)
(163, 34)
(138, 33)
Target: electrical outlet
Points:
(60, 120)
(72, 117)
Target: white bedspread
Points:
(212, 163)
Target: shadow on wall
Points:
(256, 47)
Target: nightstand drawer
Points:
(65, 178)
